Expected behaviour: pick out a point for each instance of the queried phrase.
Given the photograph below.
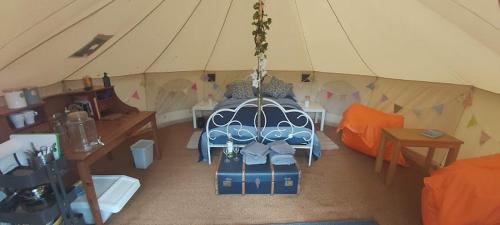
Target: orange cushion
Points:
(361, 130)
(464, 193)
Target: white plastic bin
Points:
(142, 151)
(113, 192)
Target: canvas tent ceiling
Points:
(450, 41)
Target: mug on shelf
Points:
(17, 119)
(29, 116)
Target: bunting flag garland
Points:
(371, 86)
(356, 96)
(484, 138)
(343, 97)
(438, 108)
(417, 112)
(472, 122)
(467, 101)
(397, 108)
(194, 87)
(136, 95)
(384, 98)
(329, 94)
(142, 83)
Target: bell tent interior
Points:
(378, 74)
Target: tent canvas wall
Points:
(424, 56)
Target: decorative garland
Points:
(262, 24)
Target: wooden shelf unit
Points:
(103, 101)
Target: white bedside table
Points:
(201, 107)
(315, 108)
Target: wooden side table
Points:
(413, 138)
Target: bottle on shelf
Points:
(106, 80)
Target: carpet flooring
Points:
(340, 186)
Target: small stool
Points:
(403, 137)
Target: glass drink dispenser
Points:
(82, 131)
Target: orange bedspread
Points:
(361, 130)
(465, 193)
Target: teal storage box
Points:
(286, 179)
(258, 179)
(229, 176)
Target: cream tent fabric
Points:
(451, 41)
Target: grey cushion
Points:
(241, 89)
(277, 88)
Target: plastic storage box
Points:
(142, 151)
(113, 192)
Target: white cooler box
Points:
(113, 192)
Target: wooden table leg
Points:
(380, 155)
(155, 137)
(452, 155)
(88, 185)
(394, 163)
(428, 160)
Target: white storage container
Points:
(142, 151)
(113, 192)
(15, 98)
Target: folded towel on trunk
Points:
(254, 159)
(255, 149)
(281, 147)
(281, 159)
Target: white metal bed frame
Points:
(277, 132)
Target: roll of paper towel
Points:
(7, 151)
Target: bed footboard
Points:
(277, 123)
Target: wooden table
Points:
(402, 137)
(113, 133)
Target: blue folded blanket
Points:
(281, 147)
(281, 159)
(255, 149)
(254, 159)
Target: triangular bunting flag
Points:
(397, 108)
(472, 122)
(343, 97)
(371, 86)
(329, 94)
(384, 98)
(417, 112)
(136, 95)
(484, 138)
(356, 96)
(194, 87)
(142, 84)
(438, 108)
(467, 101)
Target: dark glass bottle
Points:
(106, 81)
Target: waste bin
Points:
(142, 151)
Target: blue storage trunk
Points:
(258, 179)
(229, 176)
(286, 179)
